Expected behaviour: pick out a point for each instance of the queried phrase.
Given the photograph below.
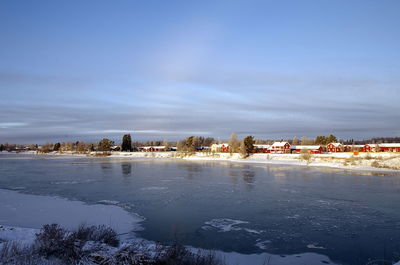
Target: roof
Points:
(335, 144)
(220, 145)
(385, 145)
(154, 147)
(262, 145)
(308, 147)
(281, 144)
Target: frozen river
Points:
(351, 217)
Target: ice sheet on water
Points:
(262, 244)
(154, 188)
(109, 202)
(315, 246)
(227, 225)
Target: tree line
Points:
(189, 144)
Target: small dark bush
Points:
(50, 240)
(179, 255)
(55, 241)
(100, 233)
(56, 246)
(106, 235)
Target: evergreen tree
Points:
(126, 143)
(105, 145)
(321, 140)
(57, 147)
(248, 144)
(2, 148)
(331, 139)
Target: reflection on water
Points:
(126, 168)
(349, 216)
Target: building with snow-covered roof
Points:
(280, 147)
(313, 149)
(158, 148)
(224, 147)
(385, 147)
(335, 147)
(262, 148)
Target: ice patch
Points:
(289, 190)
(72, 182)
(262, 244)
(17, 188)
(315, 246)
(154, 188)
(253, 231)
(225, 224)
(109, 202)
(23, 235)
(296, 216)
(65, 182)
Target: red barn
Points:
(335, 147)
(390, 147)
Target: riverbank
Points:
(363, 161)
(22, 216)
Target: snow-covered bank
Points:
(370, 162)
(24, 210)
(19, 210)
(364, 161)
(26, 236)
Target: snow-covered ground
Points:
(365, 161)
(24, 210)
(362, 161)
(22, 215)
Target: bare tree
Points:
(233, 143)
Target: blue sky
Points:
(82, 70)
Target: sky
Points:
(85, 70)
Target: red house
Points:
(224, 148)
(313, 149)
(390, 147)
(335, 147)
(152, 148)
(280, 148)
(262, 148)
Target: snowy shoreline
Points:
(12, 228)
(377, 162)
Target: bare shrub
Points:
(352, 160)
(104, 234)
(305, 155)
(55, 241)
(375, 164)
(368, 156)
(101, 154)
(88, 245)
(50, 240)
(9, 250)
(179, 255)
(132, 255)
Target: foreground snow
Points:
(21, 210)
